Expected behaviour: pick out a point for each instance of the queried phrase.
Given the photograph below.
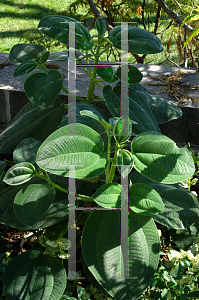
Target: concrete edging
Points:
(182, 130)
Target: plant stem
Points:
(78, 196)
(76, 97)
(113, 166)
(87, 73)
(98, 100)
(189, 184)
(98, 84)
(87, 61)
(99, 80)
(43, 68)
(93, 77)
(108, 131)
(104, 49)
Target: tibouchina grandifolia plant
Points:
(98, 151)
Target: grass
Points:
(20, 18)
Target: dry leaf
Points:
(169, 44)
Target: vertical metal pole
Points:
(124, 72)
(72, 223)
(72, 130)
(124, 181)
(72, 71)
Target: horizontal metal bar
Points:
(97, 208)
(101, 65)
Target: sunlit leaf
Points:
(158, 158)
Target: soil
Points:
(10, 240)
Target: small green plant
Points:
(96, 150)
(177, 277)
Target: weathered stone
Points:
(157, 79)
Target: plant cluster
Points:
(176, 277)
(101, 152)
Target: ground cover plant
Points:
(101, 151)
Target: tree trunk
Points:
(173, 15)
(97, 14)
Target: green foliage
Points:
(47, 86)
(31, 121)
(122, 130)
(25, 68)
(177, 277)
(144, 200)
(104, 237)
(106, 73)
(57, 27)
(150, 151)
(19, 173)
(96, 149)
(62, 152)
(134, 75)
(40, 274)
(139, 41)
(195, 32)
(181, 206)
(139, 110)
(22, 53)
(32, 202)
(100, 25)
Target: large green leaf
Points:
(33, 275)
(158, 158)
(20, 53)
(26, 151)
(42, 89)
(134, 76)
(25, 68)
(163, 110)
(57, 27)
(57, 211)
(32, 202)
(102, 252)
(35, 122)
(139, 111)
(145, 200)
(140, 41)
(108, 195)
(181, 206)
(76, 116)
(74, 144)
(19, 173)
